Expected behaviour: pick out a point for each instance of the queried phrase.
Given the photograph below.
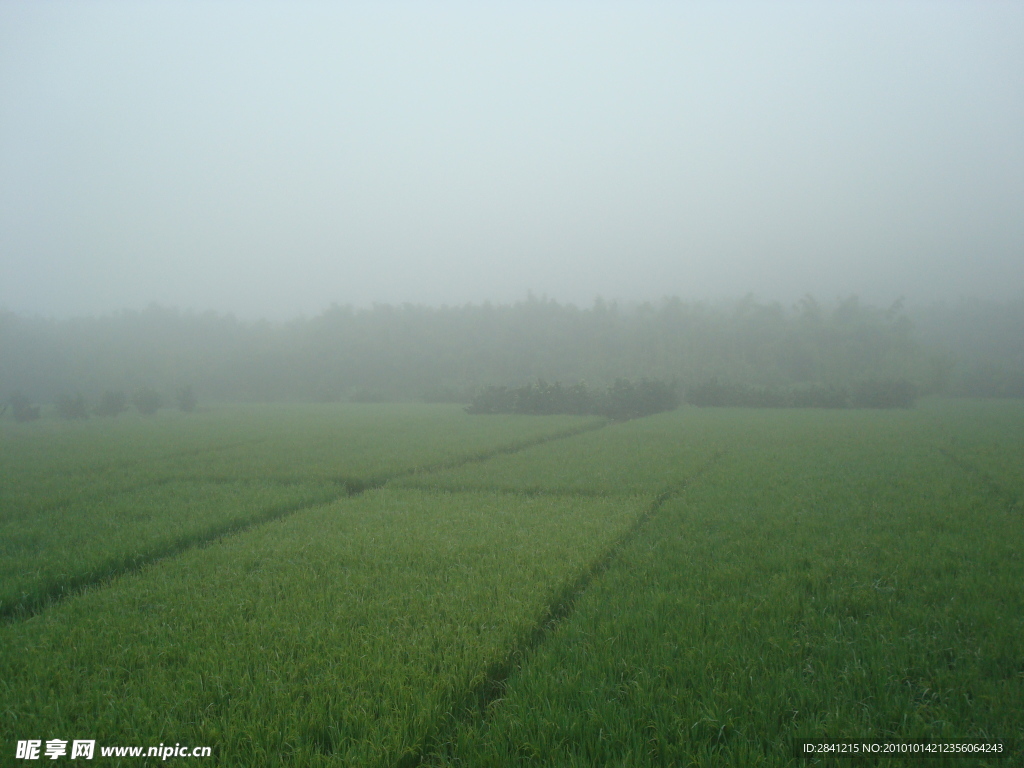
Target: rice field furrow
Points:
(36, 571)
(409, 585)
(54, 464)
(812, 586)
(481, 697)
(499, 451)
(25, 597)
(352, 628)
(635, 456)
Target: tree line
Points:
(410, 352)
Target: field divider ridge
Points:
(477, 700)
(57, 592)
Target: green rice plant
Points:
(340, 635)
(661, 451)
(833, 574)
(642, 455)
(366, 444)
(827, 579)
(46, 555)
(986, 438)
(61, 463)
(57, 463)
(78, 505)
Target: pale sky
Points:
(268, 159)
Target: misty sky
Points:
(270, 159)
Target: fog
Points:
(269, 160)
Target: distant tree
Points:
(451, 353)
(148, 401)
(621, 400)
(112, 403)
(493, 400)
(186, 399)
(992, 380)
(819, 396)
(72, 408)
(649, 397)
(712, 394)
(22, 408)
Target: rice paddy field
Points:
(408, 585)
